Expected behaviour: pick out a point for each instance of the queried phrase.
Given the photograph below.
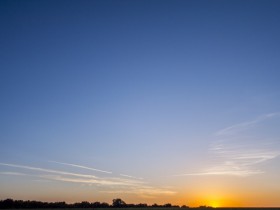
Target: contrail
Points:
(47, 170)
(245, 125)
(133, 177)
(79, 166)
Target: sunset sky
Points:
(150, 101)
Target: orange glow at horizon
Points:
(212, 198)
(215, 203)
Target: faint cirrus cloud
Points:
(129, 176)
(235, 153)
(12, 173)
(231, 130)
(80, 166)
(47, 170)
(109, 184)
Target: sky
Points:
(148, 101)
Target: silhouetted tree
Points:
(96, 205)
(118, 203)
(167, 205)
(142, 205)
(8, 203)
(104, 205)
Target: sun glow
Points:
(214, 201)
(214, 204)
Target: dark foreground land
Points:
(117, 204)
(159, 208)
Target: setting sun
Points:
(215, 204)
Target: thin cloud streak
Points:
(82, 178)
(88, 180)
(236, 163)
(109, 182)
(12, 173)
(246, 125)
(143, 191)
(128, 185)
(47, 170)
(240, 155)
(225, 172)
(242, 161)
(80, 166)
(132, 177)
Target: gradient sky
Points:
(150, 101)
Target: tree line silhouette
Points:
(117, 203)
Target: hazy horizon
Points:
(160, 101)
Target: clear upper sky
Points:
(150, 101)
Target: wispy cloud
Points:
(98, 181)
(143, 191)
(80, 166)
(223, 171)
(236, 162)
(129, 176)
(109, 184)
(41, 180)
(47, 170)
(246, 125)
(235, 154)
(12, 173)
(241, 160)
(73, 177)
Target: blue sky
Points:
(173, 98)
